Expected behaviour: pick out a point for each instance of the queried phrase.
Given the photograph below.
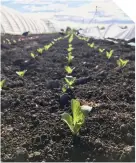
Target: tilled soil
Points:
(31, 107)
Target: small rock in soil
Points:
(124, 128)
(129, 138)
(21, 155)
(98, 143)
(64, 99)
(37, 154)
(128, 154)
(4, 103)
(8, 158)
(33, 117)
(53, 84)
(25, 144)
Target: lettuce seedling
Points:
(70, 49)
(70, 45)
(77, 119)
(33, 55)
(71, 38)
(14, 41)
(70, 57)
(70, 81)
(101, 50)
(21, 73)
(64, 88)
(2, 83)
(46, 47)
(69, 70)
(91, 45)
(109, 54)
(122, 63)
(40, 50)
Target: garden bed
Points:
(31, 125)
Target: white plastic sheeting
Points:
(14, 22)
(110, 31)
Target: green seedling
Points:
(14, 41)
(2, 83)
(71, 38)
(21, 73)
(7, 39)
(64, 88)
(77, 119)
(101, 50)
(40, 50)
(69, 70)
(47, 47)
(70, 57)
(70, 45)
(33, 55)
(59, 38)
(122, 63)
(86, 39)
(9, 42)
(109, 54)
(70, 49)
(91, 45)
(70, 81)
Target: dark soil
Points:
(31, 108)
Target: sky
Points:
(79, 11)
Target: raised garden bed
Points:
(31, 125)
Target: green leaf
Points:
(70, 82)
(2, 83)
(70, 49)
(40, 50)
(122, 63)
(46, 47)
(33, 55)
(101, 50)
(71, 38)
(70, 45)
(67, 118)
(109, 54)
(21, 73)
(78, 116)
(68, 69)
(91, 45)
(64, 88)
(70, 57)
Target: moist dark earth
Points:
(31, 107)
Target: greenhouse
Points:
(67, 82)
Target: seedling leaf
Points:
(2, 83)
(21, 73)
(109, 54)
(122, 63)
(67, 118)
(33, 55)
(68, 69)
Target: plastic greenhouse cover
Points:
(14, 22)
